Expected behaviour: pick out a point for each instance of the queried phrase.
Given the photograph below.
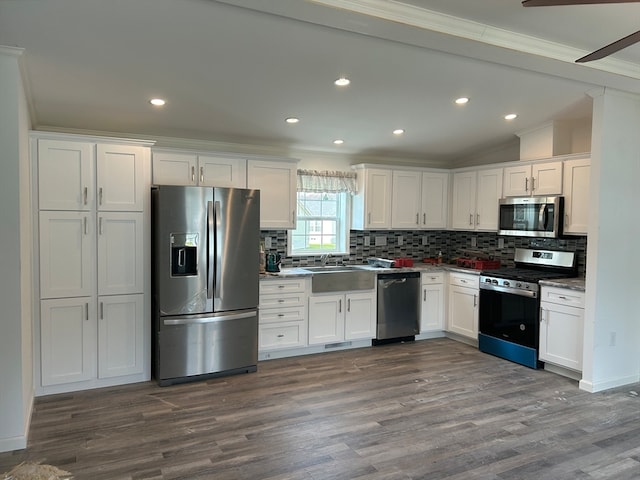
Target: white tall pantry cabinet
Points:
(92, 196)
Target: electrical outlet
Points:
(267, 242)
(501, 243)
(425, 240)
(400, 240)
(474, 241)
(367, 241)
(381, 241)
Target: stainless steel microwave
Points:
(531, 216)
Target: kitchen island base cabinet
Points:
(337, 318)
(463, 305)
(561, 327)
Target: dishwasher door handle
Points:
(388, 283)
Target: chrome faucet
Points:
(324, 258)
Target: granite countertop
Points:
(417, 267)
(570, 283)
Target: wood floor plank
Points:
(434, 409)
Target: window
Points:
(323, 224)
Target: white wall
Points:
(16, 368)
(612, 318)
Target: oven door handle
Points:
(522, 293)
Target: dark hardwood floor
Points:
(434, 409)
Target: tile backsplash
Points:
(421, 244)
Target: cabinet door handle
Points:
(424, 295)
(293, 216)
(280, 300)
(424, 218)
(562, 297)
(201, 174)
(100, 196)
(85, 195)
(369, 218)
(475, 300)
(417, 219)
(280, 286)
(86, 314)
(84, 225)
(462, 280)
(348, 305)
(101, 310)
(477, 219)
(193, 174)
(566, 219)
(280, 335)
(340, 306)
(471, 219)
(281, 315)
(526, 184)
(100, 226)
(533, 184)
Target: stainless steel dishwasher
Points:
(398, 307)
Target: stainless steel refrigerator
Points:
(206, 244)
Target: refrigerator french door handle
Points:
(210, 249)
(217, 260)
(181, 320)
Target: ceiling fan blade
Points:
(553, 3)
(611, 48)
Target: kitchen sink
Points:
(341, 278)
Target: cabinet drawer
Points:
(283, 300)
(432, 278)
(462, 280)
(563, 296)
(282, 335)
(289, 314)
(282, 286)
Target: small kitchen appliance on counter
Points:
(273, 262)
(509, 318)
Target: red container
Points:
(403, 262)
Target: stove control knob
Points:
(494, 281)
(519, 285)
(527, 286)
(506, 283)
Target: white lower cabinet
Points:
(120, 331)
(339, 317)
(282, 314)
(432, 306)
(463, 304)
(67, 340)
(561, 327)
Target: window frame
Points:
(342, 236)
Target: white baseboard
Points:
(593, 387)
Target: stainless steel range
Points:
(509, 319)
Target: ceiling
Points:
(231, 71)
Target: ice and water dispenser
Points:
(184, 254)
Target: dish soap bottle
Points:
(439, 257)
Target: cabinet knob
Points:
(280, 335)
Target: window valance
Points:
(327, 181)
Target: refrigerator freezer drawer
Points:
(206, 346)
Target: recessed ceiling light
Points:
(462, 100)
(338, 142)
(342, 82)
(510, 116)
(398, 131)
(158, 102)
(292, 120)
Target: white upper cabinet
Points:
(533, 179)
(119, 181)
(372, 204)
(435, 196)
(172, 167)
(120, 251)
(475, 199)
(419, 199)
(65, 175)
(276, 181)
(67, 258)
(576, 196)
(406, 199)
